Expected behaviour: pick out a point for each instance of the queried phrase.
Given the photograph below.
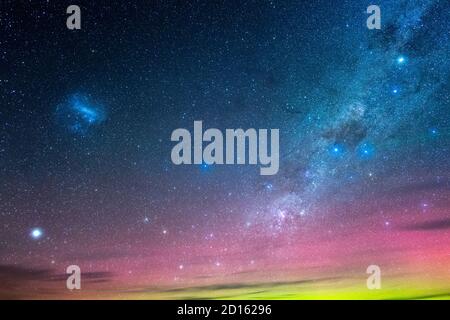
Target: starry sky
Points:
(86, 176)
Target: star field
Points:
(86, 176)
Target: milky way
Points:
(87, 179)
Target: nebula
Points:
(79, 115)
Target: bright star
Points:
(401, 60)
(433, 131)
(366, 150)
(337, 150)
(36, 233)
(204, 167)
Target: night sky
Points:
(86, 176)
